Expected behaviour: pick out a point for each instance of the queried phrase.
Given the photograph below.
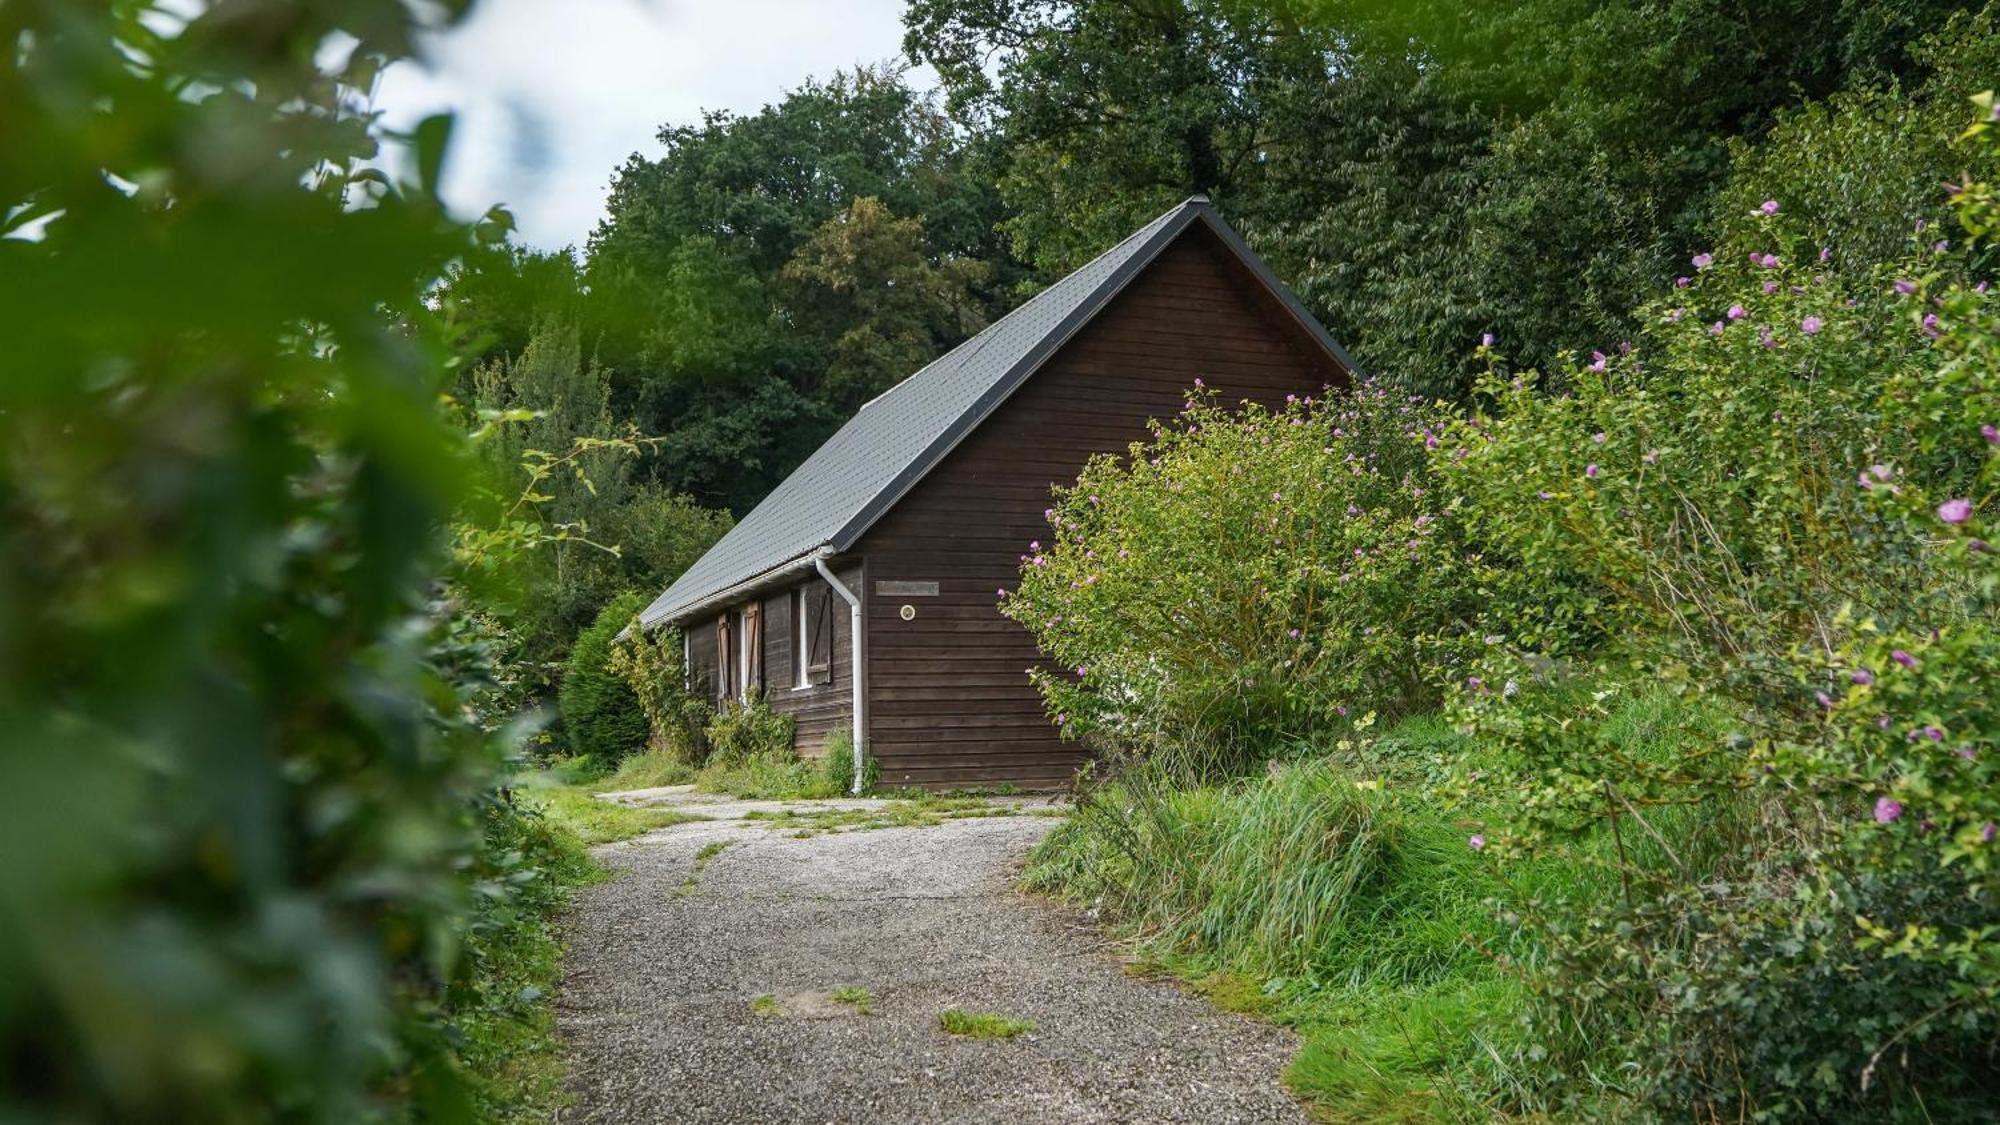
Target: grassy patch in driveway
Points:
(982, 1025)
(927, 812)
(600, 822)
(765, 1005)
(855, 997)
(701, 859)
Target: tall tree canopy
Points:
(1425, 172)
(770, 272)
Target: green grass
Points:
(501, 1011)
(768, 777)
(765, 1005)
(982, 1025)
(855, 997)
(1335, 896)
(579, 812)
(650, 770)
(924, 812)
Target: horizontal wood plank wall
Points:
(949, 698)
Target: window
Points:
(801, 641)
(743, 646)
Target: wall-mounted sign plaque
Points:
(907, 589)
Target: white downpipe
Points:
(854, 659)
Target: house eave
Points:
(729, 595)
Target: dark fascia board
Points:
(1195, 209)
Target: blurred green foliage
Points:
(247, 796)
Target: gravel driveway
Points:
(657, 998)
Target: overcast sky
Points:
(552, 95)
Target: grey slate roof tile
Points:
(865, 467)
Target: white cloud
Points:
(553, 95)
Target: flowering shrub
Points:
(1247, 578)
(1775, 505)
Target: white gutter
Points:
(854, 639)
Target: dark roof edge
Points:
(734, 590)
(1194, 208)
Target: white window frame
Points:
(742, 656)
(802, 651)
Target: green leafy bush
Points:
(749, 729)
(1247, 579)
(602, 716)
(652, 664)
(1774, 506)
(837, 764)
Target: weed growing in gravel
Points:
(765, 1005)
(856, 997)
(982, 1025)
(701, 859)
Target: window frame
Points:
(802, 641)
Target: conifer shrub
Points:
(601, 713)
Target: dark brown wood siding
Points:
(825, 703)
(949, 698)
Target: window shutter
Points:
(819, 661)
(753, 643)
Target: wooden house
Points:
(861, 594)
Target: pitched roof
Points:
(863, 469)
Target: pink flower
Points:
(1863, 677)
(1768, 261)
(1810, 326)
(1955, 511)
(1826, 253)
(1769, 207)
(1931, 325)
(1715, 329)
(1738, 312)
(1034, 544)
(1682, 283)
(1986, 832)
(1545, 495)
(1198, 382)
(1906, 287)
(1887, 810)
(1590, 470)
(1476, 842)
(1702, 261)
(1903, 658)
(1991, 434)
(1294, 634)
(1486, 339)
(1597, 361)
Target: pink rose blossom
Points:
(1887, 810)
(1955, 511)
